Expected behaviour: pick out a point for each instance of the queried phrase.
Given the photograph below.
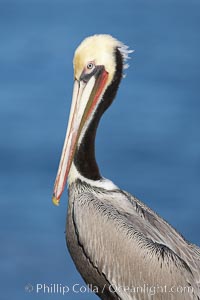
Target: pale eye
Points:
(90, 65)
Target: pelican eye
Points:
(89, 70)
(90, 66)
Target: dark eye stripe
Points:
(86, 77)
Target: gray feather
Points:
(116, 240)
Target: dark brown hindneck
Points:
(84, 158)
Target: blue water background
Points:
(148, 142)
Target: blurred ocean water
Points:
(148, 142)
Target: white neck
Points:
(102, 183)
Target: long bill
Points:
(86, 96)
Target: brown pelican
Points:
(122, 248)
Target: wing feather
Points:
(135, 249)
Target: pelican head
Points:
(97, 62)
